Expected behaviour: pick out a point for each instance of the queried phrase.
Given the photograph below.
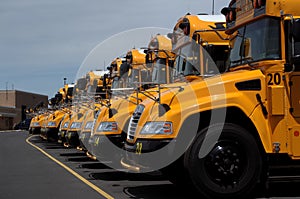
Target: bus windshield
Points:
(159, 72)
(256, 41)
(193, 59)
(117, 82)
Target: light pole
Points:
(213, 7)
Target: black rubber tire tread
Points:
(249, 176)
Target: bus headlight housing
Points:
(51, 124)
(157, 128)
(76, 125)
(108, 126)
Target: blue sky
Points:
(41, 42)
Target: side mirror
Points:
(105, 77)
(96, 112)
(148, 58)
(183, 65)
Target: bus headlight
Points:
(66, 124)
(108, 126)
(161, 128)
(36, 124)
(51, 124)
(76, 125)
(88, 125)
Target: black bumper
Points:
(50, 134)
(35, 130)
(84, 140)
(137, 155)
(72, 139)
(106, 147)
(61, 137)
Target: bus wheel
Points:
(232, 166)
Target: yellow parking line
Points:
(100, 191)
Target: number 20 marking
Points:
(274, 79)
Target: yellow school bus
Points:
(92, 113)
(51, 124)
(246, 119)
(112, 122)
(125, 77)
(64, 125)
(89, 89)
(36, 113)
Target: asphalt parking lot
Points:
(33, 168)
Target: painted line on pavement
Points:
(97, 189)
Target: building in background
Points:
(13, 105)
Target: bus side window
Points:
(297, 49)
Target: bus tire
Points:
(232, 168)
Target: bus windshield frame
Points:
(257, 41)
